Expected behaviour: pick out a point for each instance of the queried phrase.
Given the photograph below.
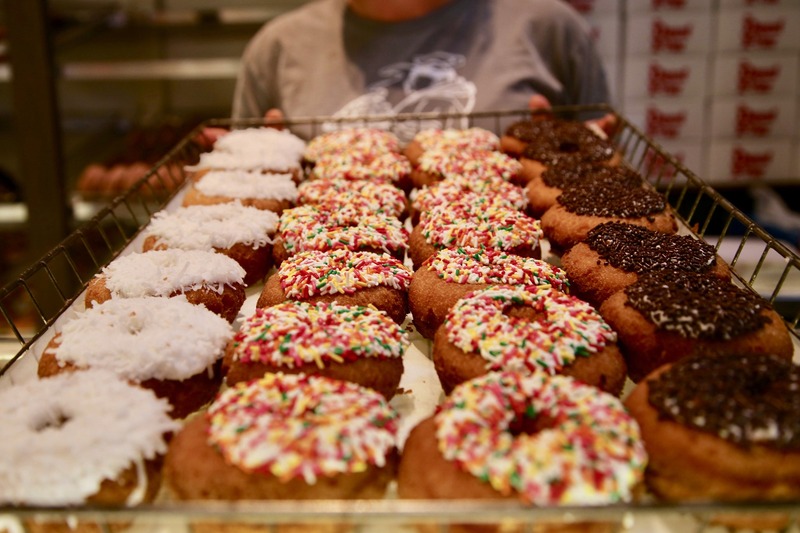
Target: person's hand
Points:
(208, 136)
(274, 118)
(608, 123)
(538, 103)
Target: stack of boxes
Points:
(714, 82)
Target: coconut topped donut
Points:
(294, 333)
(310, 228)
(449, 190)
(563, 328)
(314, 272)
(64, 435)
(380, 198)
(271, 142)
(363, 140)
(481, 265)
(743, 399)
(389, 167)
(144, 338)
(167, 272)
(209, 227)
(243, 184)
(442, 163)
(477, 222)
(256, 162)
(588, 453)
(298, 426)
(457, 139)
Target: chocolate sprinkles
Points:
(743, 399)
(600, 197)
(571, 141)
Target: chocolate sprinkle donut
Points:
(567, 174)
(696, 306)
(603, 197)
(571, 141)
(532, 130)
(636, 249)
(744, 399)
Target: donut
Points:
(545, 440)
(493, 188)
(474, 222)
(723, 428)
(344, 276)
(332, 194)
(237, 231)
(526, 330)
(567, 140)
(355, 140)
(667, 315)
(543, 191)
(614, 254)
(389, 167)
(518, 135)
(352, 343)
(281, 146)
(166, 345)
(81, 438)
(270, 192)
(450, 139)
(452, 273)
(208, 278)
(311, 228)
(440, 163)
(292, 437)
(581, 208)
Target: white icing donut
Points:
(280, 144)
(62, 436)
(247, 184)
(163, 272)
(209, 227)
(145, 338)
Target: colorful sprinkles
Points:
(389, 167)
(496, 189)
(292, 334)
(471, 164)
(364, 140)
(380, 198)
(312, 228)
(476, 221)
(298, 426)
(315, 273)
(590, 453)
(563, 328)
(478, 265)
(457, 139)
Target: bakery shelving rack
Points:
(54, 284)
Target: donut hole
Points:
(569, 147)
(51, 420)
(530, 424)
(524, 312)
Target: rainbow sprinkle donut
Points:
(389, 167)
(298, 426)
(494, 188)
(480, 265)
(457, 140)
(379, 198)
(569, 328)
(364, 140)
(310, 228)
(471, 164)
(590, 453)
(313, 273)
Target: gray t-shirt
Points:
(470, 55)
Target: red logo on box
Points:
(671, 4)
(662, 124)
(582, 6)
(750, 121)
(757, 79)
(763, 2)
(666, 81)
(748, 164)
(757, 34)
(670, 38)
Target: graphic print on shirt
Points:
(430, 83)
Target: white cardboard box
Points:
(676, 120)
(660, 6)
(673, 32)
(759, 29)
(689, 153)
(744, 161)
(753, 117)
(592, 8)
(756, 74)
(673, 76)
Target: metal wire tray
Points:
(51, 285)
